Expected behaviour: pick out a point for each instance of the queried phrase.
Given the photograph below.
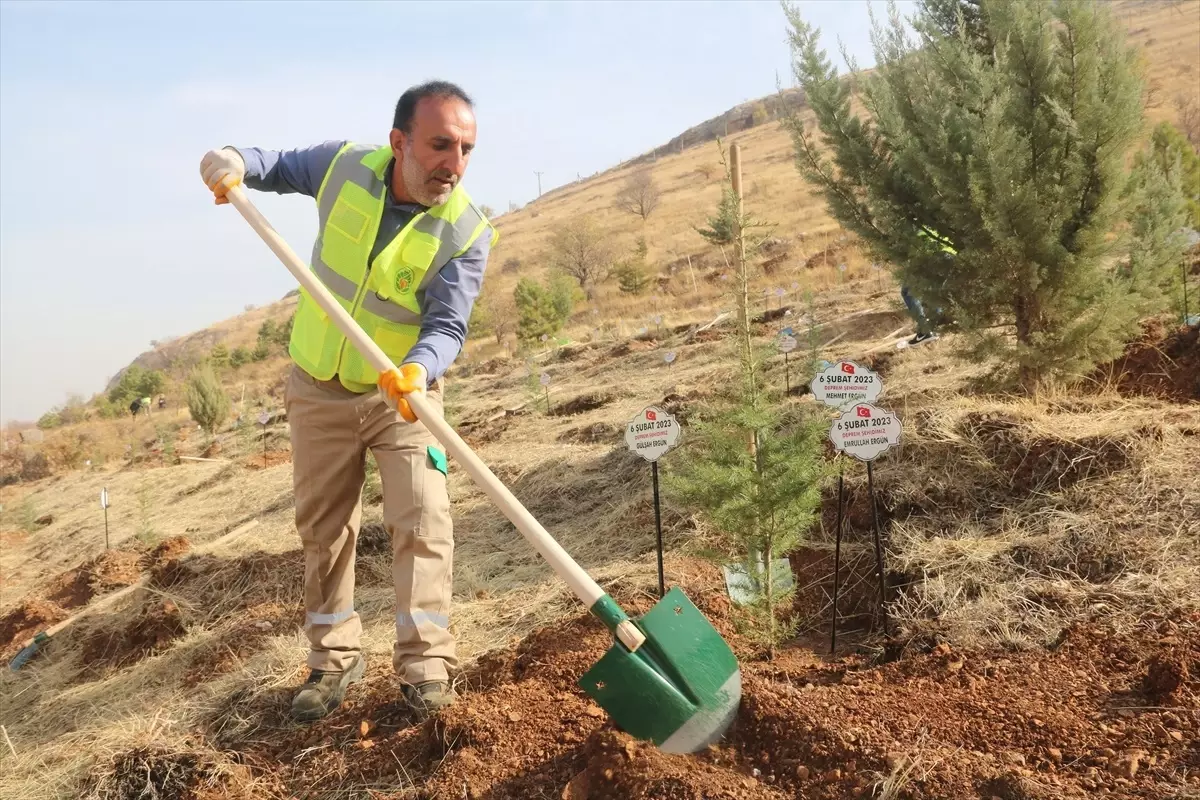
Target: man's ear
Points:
(396, 139)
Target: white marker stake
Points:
(846, 383)
(786, 343)
(104, 505)
(263, 419)
(651, 435)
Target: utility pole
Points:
(535, 172)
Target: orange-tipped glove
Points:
(395, 384)
(221, 170)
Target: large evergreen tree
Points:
(989, 167)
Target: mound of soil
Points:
(154, 772)
(479, 432)
(112, 569)
(153, 629)
(270, 459)
(1162, 363)
(581, 404)
(590, 434)
(166, 550)
(1029, 463)
(229, 650)
(636, 345)
(1069, 721)
(24, 621)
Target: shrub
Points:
(219, 356)
(207, 402)
(539, 309)
(239, 357)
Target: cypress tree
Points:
(990, 168)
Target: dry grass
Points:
(1048, 511)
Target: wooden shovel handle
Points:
(580, 582)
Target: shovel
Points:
(669, 677)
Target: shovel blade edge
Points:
(681, 690)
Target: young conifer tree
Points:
(753, 464)
(989, 167)
(207, 402)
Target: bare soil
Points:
(152, 630)
(269, 459)
(1163, 363)
(112, 569)
(24, 621)
(1100, 712)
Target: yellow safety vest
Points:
(382, 299)
(936, 238)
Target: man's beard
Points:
(415, 181)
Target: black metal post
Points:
(662, 587)
(837, 560)
(878, 549)
(787, 376)
(106, 527)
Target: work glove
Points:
(222, 170)
(396, 383)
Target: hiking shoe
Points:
(922, 337)
(428, 698)
(323, 691)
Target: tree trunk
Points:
(1025, 315)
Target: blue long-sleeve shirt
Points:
(446, 301)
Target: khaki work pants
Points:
(331, 430)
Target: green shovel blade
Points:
(679, 690)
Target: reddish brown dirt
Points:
(1097, 713)
(112, 569)
(26, 620)
(153, 629)
(166, 550)
(270, 459)
(1162, 363)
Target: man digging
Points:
(404, 248)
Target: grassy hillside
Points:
(1043, 559)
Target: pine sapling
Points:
(753, 464)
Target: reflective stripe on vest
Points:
(384, 298)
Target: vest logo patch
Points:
(404, 280)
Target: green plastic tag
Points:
(439, 460)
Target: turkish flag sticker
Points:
(848, 369)
(650, 415)
(863, 411)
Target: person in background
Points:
(925, 327)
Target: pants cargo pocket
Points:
(435, 501)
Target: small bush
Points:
(207, 402)
(541, 310)
(219, 356)
(49, 420)
(239, 357)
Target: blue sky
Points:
(108, 238)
